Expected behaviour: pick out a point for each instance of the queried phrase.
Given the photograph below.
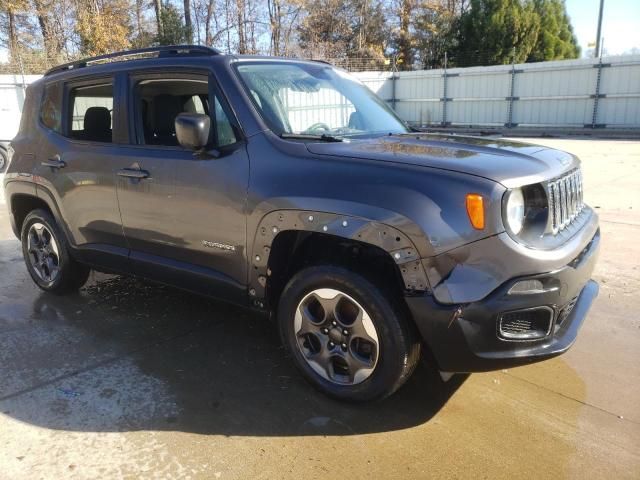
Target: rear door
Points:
(77, 164)
(184, 220)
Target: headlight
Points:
(515, 210)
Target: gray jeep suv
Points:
(288, 187)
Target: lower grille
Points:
(528, 324)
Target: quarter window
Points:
(50, 114)
(91, 111)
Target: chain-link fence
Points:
(25, 63)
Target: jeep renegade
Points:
(289, 187)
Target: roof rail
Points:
(162, 51)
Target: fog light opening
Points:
(530, 287)
(527, 324)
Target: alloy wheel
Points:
(43, 252)
(336, 336)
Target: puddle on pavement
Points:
(132, 357)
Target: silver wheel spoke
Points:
(357, 369)
(321, 358)
(363, 328)
(51, 268)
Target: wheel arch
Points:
(23, 197)
(23, 203)
(287, 239)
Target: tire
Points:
(4, 160)
(46, 255)
(363, 371)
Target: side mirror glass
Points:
(192, 130)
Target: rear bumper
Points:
(469, 341)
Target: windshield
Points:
(308, 99)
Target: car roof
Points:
(164, 56)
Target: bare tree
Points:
(157, 5)
(241, 27)
(187, 20)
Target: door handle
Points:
(54, 162)
(133, 173)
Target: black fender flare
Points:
(390, 239)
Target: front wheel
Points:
(345, 335)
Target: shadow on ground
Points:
(127, 355)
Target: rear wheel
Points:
(345, 335)
(47, 257)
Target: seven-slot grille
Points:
(565, 199)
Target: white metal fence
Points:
(12, 89)
(589, 93)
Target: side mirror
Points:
(192, 130)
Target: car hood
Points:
(510, 163)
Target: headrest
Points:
(356, 121)
(165, 110)
(97, 120)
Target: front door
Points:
(182, 213)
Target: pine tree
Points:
(494, 32)
(556, 40)
(174, 31)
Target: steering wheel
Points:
(316, 127)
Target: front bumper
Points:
(464, 337)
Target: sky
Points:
(620, 24)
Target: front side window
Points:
(304, 98)
(159, 101)
(50, 109)
(91, 109)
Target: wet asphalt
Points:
(129, 379)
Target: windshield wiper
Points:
(307, 136)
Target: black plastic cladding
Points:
(389, 239)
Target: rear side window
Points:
(50, 109)
(91, 112)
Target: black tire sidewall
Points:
(64, 260)
(393, 334)
(4, 160)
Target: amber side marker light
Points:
(475, 210)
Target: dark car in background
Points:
(288, 187)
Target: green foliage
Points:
(174, 31)
(556, 40)
(494, 32)
(436, 28)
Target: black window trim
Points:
(155, 72)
